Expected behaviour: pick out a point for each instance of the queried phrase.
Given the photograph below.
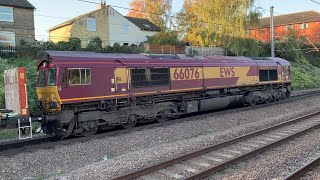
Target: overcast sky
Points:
(52, 12)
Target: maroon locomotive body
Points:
(81, 92)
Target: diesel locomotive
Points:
(81, 92)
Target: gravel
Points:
(313, 174)
(278, 162)
(115, 155)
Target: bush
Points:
(248, 47)
(36, 49)
(95, 45)
(166, 38)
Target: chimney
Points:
(102, 4)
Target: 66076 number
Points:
(186, 73)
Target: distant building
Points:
(16, 22)
(106, 23)
(304, 23)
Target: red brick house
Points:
(304, 23)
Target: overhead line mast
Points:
(272, 32)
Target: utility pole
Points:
(272, 32)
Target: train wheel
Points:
(91, 132)
(269, 100)
(90, 129)
(253, 102)
(132, 122)
(163, 116)
(288, 94)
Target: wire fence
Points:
(7, 51)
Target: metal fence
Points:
(7, 51)
(205, 51)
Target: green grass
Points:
(13, 133)
(8, 133)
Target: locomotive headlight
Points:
(39, 104)
(53, 105)
(53, 97)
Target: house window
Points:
(147, 25)
(6, 14)
(91, 23)
(80, 76)
(7, 38)
(304, 26)
(125, 28)
(289, 27)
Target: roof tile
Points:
(307, 16)
(17, 3)
(143, 24)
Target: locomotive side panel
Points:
(87, 84)
(229, 76)
(186, 79)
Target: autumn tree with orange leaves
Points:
(213, 22)
(156, 11)
(137, 9)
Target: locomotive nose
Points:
(48, 98)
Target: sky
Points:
(53, 12)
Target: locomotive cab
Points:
(47, 89)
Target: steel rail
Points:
(300, 172)
(19, 146)
(207, 172)
(248, 155)
(23, 143)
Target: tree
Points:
(95, 44)
(214, 22)
(156, 11)
(137, 9)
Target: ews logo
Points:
(227, 72)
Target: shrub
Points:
(95, 45)
(247, 47)
(171, 38)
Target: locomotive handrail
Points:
(202, 66)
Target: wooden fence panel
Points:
(166, 49)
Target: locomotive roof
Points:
(83, 56)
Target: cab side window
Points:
(64, 76)
(80, 76)
(52, 77)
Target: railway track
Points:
(303, 170)
(16, 147)
(205, 162)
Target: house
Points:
(303, 23)
(106, 23)
(16, 22)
